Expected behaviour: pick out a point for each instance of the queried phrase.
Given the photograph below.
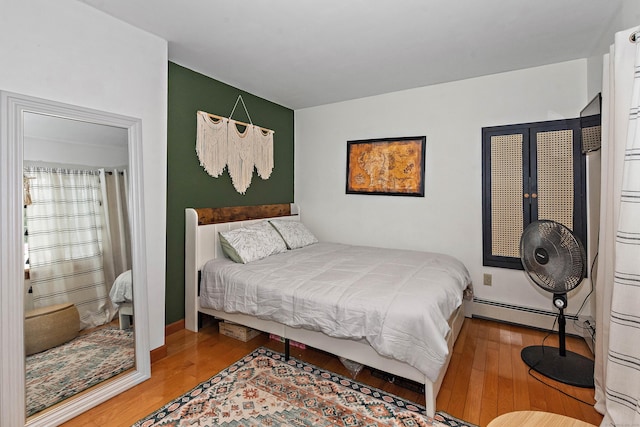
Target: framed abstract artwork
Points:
(387, 166)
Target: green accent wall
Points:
(189, 186)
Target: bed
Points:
(121, 295)
(384, 337)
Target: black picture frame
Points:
(386, 166)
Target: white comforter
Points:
(122, 289)
(398, 300)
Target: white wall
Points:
(449, 218)
(69, 52)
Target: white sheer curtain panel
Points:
(617, 369)
(65, 222)
(116, 237)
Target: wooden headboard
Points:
(202, 242)
(243, 213)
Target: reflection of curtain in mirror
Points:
(65, 222)
(117, 240)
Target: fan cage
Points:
(566, 264)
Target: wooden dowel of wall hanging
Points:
(215, 116)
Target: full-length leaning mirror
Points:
(75, 179)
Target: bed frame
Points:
(202, 244)
(125, 315)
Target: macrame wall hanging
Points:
(220, 144)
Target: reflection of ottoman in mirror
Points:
(50, 326)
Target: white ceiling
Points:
(303, 53)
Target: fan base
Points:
(573, 369)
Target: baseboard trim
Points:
(158, 353)
(524, 316)
(173, 327)
(161, 352)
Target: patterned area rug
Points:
(264, 390)
(66, 370)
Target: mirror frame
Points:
(12, 371)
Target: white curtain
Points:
(117, 239)
(65, 223)
(617, 368)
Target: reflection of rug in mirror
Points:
(61, 372)
(263, 389)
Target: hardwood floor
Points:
(486, 377)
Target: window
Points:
(530, 171)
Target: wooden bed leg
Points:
(287, 351)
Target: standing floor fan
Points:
(555, 260)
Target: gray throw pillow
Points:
(294, 233)
(251, 243)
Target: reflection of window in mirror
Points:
(77, 238)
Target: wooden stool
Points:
(50, 326)
(536, 419)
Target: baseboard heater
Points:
(525, 316)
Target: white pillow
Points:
(294, 233)
(251, 243)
